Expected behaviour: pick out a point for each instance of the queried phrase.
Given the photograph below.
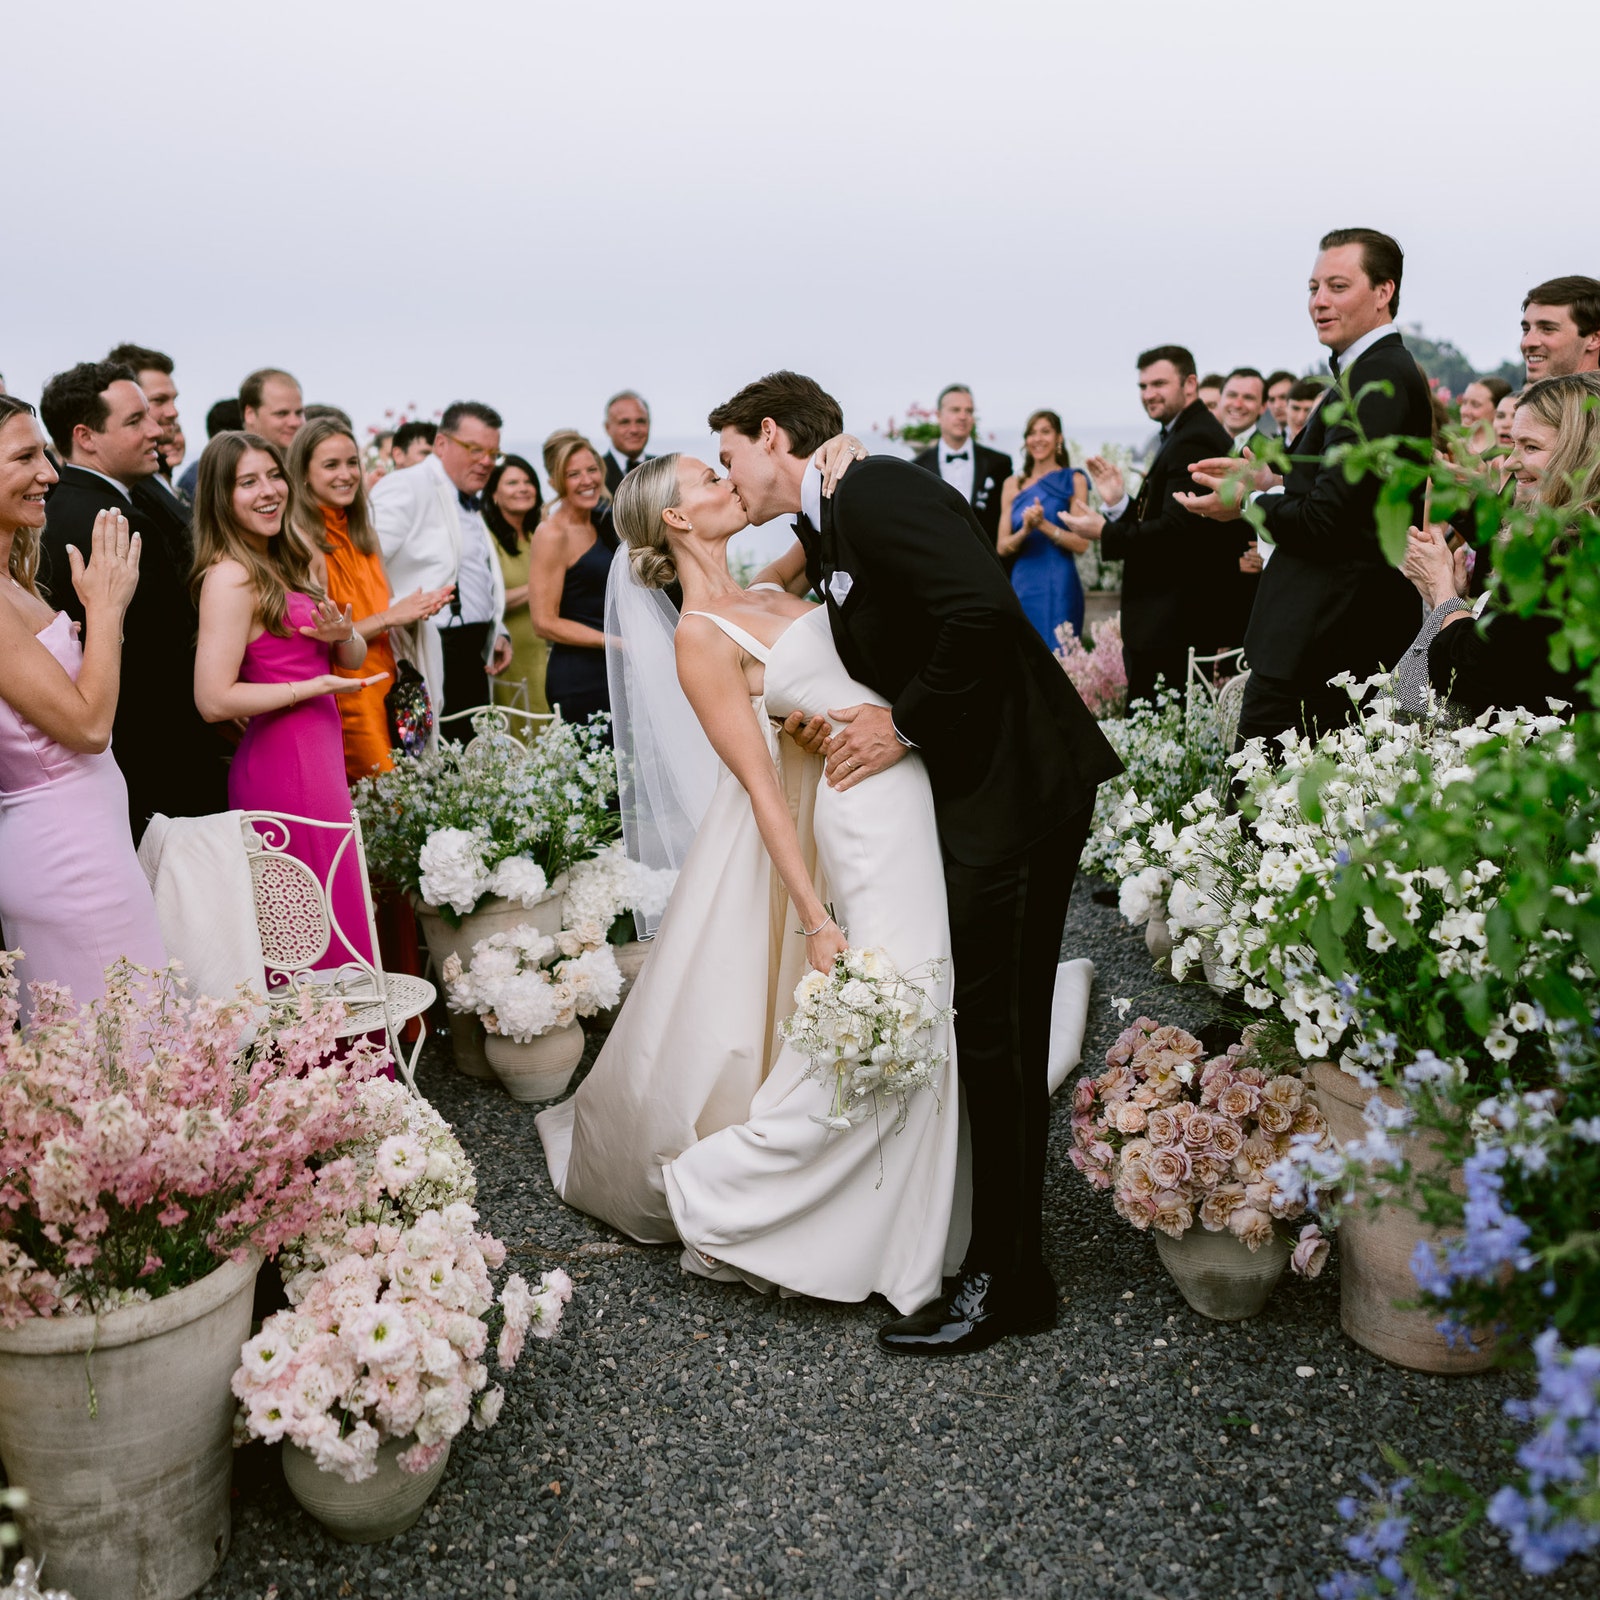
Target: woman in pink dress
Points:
(269, 638)
(72, 896)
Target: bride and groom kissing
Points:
(937, 812)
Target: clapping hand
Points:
(1106, 476)
(419, 604)
(1033, 517)
(1436, 570)
(112, 573)
(332, 625)
(835, 456)
(1227, 480)
(333, 683)
(1082, 524)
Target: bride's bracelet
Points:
(811, 933)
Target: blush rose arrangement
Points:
(1176, 1138)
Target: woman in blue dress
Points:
(1032, 540)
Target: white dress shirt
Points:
(958, 474)
(121, 488)
(475, 580)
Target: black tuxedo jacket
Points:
(922, 612)
(1180, 577)
(173, 760)
(990, 469)
(617, 470)
(1329, 602)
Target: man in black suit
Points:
(1180, 574)
(1329, 601)
(923, 614)
(974, 470)
(628, 429)
(155, 495)
(99, 420)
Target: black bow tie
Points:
(960, 455)
(1333, 363)
(805, 530)
(469, 502)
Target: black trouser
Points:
(466, 679)
(1274, 705)
(1144, 667)
(1005, 933)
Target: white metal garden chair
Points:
(297, 919)
(512, 694)
(494, 724)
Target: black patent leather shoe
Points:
(979, 1310)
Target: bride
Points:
(698, 1122)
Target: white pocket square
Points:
(839, 585)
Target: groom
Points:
(923, 613)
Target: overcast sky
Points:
(536, 204)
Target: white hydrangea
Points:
(595, 980)
(521, 879)
(600, 889)
(453, 872)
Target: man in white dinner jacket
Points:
(431, 530)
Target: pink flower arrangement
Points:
(386, 1343)
(147, 1136)
(1174, 1137)
(1097, 674)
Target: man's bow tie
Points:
(959, 455)
(469, 502)
(804, 528)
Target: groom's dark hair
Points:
(800, 406)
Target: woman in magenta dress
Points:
(72, 896)
(268, 641)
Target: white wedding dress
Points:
(697, 1122)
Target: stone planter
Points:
(1158, 937)
(1375, 1249)
(377, 1508)
(542, 1068)
(1220, 1277)
(120, 1428)
(494, 916)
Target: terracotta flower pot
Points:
(377, 1508)
(494, 916)
(120, 1428)
(542, 1068)
(1220, 1277)
(1375, 1249)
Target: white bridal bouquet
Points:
(870, 1026)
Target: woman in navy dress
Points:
(568, 566)
(1032, 540)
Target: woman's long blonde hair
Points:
(218, 536)
(25, 541)
(1571, 405)
(358, 521)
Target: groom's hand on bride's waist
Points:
(810, 733)
(865, 745)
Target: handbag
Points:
(409, 709)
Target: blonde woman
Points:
(72, 896)
(270, 641)
(567, 570)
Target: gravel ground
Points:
(686, 1438)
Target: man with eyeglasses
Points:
(430, 527)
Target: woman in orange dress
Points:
(325, 464)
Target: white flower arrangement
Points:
(868, 1026)
(519, 989)
(610, 883)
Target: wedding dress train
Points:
(697, 1122)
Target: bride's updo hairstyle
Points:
(641, 497)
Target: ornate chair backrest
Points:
(501, 725)
(1230, 701)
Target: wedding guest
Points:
(977, 471)
(1039, 548)
(627, 424)
(1478, 402)
(270, 403)
(1303, 398)
(335, 526)
(1241, 407)
(1279, 384)
(321, 413)
(1505, 660)
(73, 897)
(567, 571)
(1561, 327)
(431, 530)
(1210, 391)
(270, 641)
(223, 417)
(411, 443)
(173, 451)
(152, 370)
(101, 425)
(511, 506)
(1504, 412)
(1177, 570)
(1329, 601)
